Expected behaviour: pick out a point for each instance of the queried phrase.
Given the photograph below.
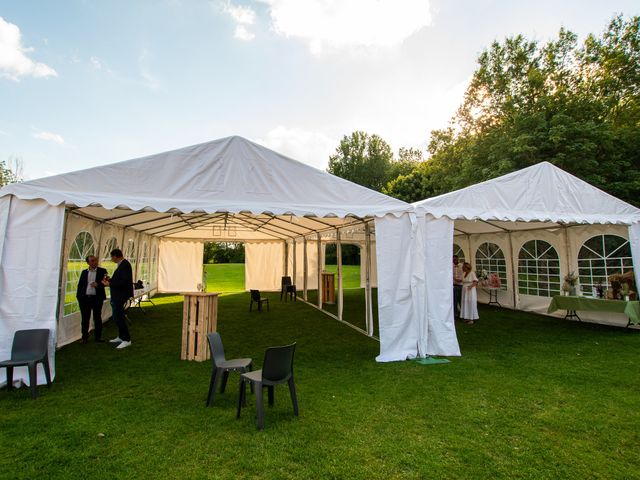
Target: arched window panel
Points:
(153, 268)
(130, 254)
(105, 260)
(457, 250)
(82, 246)
(538, 269)
(144, 265)
(602, 256)
(490, 259)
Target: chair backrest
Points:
(217, 350)
(278, 362)
(286, 281)
(255, 295)
(30, 344)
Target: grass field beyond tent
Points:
(532, 397)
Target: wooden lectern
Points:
(328, 287)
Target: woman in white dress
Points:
(469, 303)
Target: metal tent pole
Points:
(339, 262)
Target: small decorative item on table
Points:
(571, 281)
(483, 277)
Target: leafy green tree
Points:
(10, 171)
(577, 106)
(363, 159)
(223, 252)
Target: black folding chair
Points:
(221, 366)
(276, 369)
(287, 289)
(29, 348)
(256, 298)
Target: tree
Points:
(223, 252)
(363, 159)
(577, 106)
(10, 171)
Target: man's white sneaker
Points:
(115, 340)
(124, 345)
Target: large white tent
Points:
(491, 223)
(161, 209)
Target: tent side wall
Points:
(31, 233)
(85, 236)
(566, 241)
(180, 267)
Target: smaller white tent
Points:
(539, 202)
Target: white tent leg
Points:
(295, 273)
(367, 297)
(339, 262)
(319, 239)
(305, 269)
(634, 239)
(514, 272)
(285, 258)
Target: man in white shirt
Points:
(91, 296)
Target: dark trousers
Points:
(117, 312)
(457, 298)
(91, 304)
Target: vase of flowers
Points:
(570, 284)
(482, 278)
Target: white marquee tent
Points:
(161, 209)
(527, 224)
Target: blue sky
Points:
(85, 83)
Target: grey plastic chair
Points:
(276, 369)
(29, 348)
(221, 366)
(255, 297)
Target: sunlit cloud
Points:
(49, 137)
(349, 23)
(14, 62)
(244, 17)
(310, 147)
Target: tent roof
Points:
(540, 193)
(229, 175)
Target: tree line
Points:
(574, 104)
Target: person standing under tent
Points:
(91, 296)
(457, 286)
(469, 304)
(121, 285)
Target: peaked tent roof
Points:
(540, 193)
(227, 175)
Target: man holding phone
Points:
(91, 296)
(121, 285)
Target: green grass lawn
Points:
(532, 397)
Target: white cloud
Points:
(49, 137)
(14, 62)
(241, 33)
(310, 147)
(243, 16)
(349, 23)
(95, 63)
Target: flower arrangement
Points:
(482, 278)
(570, 283)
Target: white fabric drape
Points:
(398, 324)
(373, 278)
(263, 267)
(437, 242)
(180, 266)
(29, 274)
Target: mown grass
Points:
(532, 397)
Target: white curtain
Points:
(373, 278)
(29, 272)
(437, 247)
(263, 265)
(180, 266)
(397, 282)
